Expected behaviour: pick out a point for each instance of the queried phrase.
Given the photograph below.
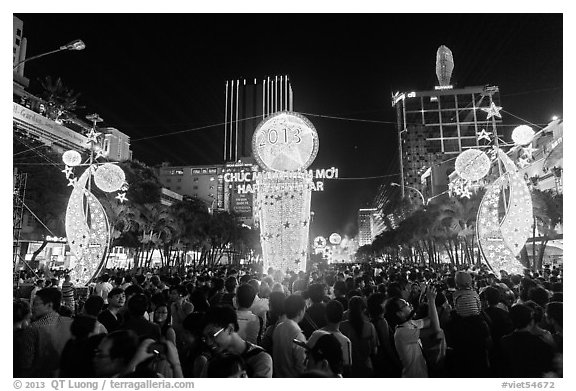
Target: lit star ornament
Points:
(72, 182)
(484, 135)
(529, 150)
(93, 136)
(493, 111)
(121, 197)
(67, 171)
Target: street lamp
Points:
(77, 44)
(413, 188)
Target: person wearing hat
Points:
(323, 357)
(466, 299)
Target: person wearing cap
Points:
(466, 299)
(323, 357)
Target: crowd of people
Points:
(388, 319)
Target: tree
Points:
(547, 211)
(61, 99)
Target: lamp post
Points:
(413, 188)
(77, 44)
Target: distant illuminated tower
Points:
(444, 65)
(247, 103)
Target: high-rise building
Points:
(247, 103)
(366, 225)
(436, 125)
(116, 145)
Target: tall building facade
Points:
(366, 225)
(247, 103)
(437, 125)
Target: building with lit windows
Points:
(366, 225)
(247, 103)
(436, 125)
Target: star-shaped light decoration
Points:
(72, 181)
(67, 171)
(93, 136)
(287, 224)
(484, 135)
(465, 193)
(493, 110)
(121, 197)
(523, 162)
(529, 150)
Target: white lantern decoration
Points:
(335, 238)
(522, 135)
(472, 165)
(72, 158)
(109, 177)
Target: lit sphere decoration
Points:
(472, 165)
(319, 242)
(522, 135)
(335, 238)
(109, 177)
(72, 158)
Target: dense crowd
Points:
(368, 320)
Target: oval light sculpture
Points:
(522, 135)
(109, 177)
(472, 165)
(72, 158)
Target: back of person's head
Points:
(539, 295)
(50, 295)
(394, 290)
(255, 284)
(230, 284)
(199, 301)
(105, 278)
(374, 305)
(222, 316)
(140, 278)
(334, 311)
(316, 292)
(537, 310)
(118, 281)
(244, 279)
(124, 344)
(93, 305)
(554, 311)
(157, 299)
(356, 307)
(132, 290)
(525, 285)
(391, 309)
(138, 304)
(21, 310)
(293, 305)
(463, 279)
(194, 323)
(82, 326)
(230, 365)
(276, 304)
(491, 295)
(180, 289)
(328, 348)
(521, 316)
(339, 287)
(155, 280)
(245, 295)
(218, 283)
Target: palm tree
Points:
(547, 211)
(61, 99)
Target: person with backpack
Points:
(221, 335)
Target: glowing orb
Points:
(335, 238)
(472, 165)
(109, 177)
(522, 135)
(319, 242)
(72, 158)
(285, 141)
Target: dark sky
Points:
(152, 74)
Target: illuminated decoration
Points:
(522, 135)
(121, 197)
(335, 238)
(493, 111)
(484, 135)
(529, 151)
(472, 165)
(283, 207)
(87, 231)
(109, 177)
(444, 66)
(523, 162)
(501, 241)
(284, 145)
(285, 141)
(87, 227)
(72, 158)
(319, 242)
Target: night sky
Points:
(153, 74)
